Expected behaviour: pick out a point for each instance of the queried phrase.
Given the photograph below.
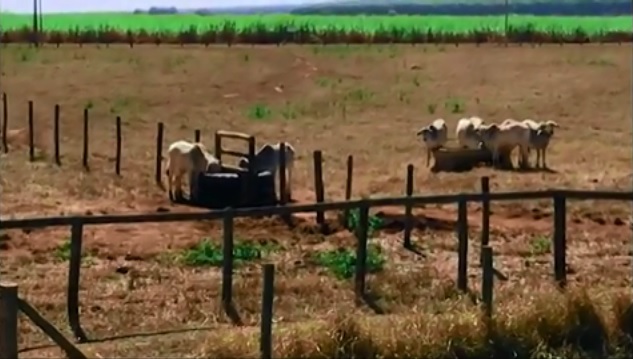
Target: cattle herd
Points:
(472, 133)
(191, 159)
(500, 139)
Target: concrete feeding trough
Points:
(453, 159)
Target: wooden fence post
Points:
(56, 135)
(268, 295)
(5, 122)
(462, 237)
(9, 320)
(408, 209)
(361, 253)
(348, 189)
(84, 155)
(119, 139)
(31, 133)
(487, 280)
(159, 152)
(76, 239)
(485, 215)
(319, 191)
(227, 264)
(283, 198)
(560, 241)
(196, 135)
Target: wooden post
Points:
(5, 122)
(227, 264)
(56, 135)
(268, 296)
(76, 239)
(319, 191)
(408, 209)
(348, 189)
(485, 215)
(487, 285)
(159, 152)
(560, 240)
(462, 252)
(84, 155)
(361, 253)
(218, 147)
(196, 136)
(31, 133)
(36, 37)
(9, 320)
(283, 198)
(119, 139)
(252, 170)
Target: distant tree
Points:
(162, 10)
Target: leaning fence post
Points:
(408, 209)
(487, 280)
(361, 252)
(462, 236)
(560, 241)
(76, 238)
(268, 295)
(9, 320)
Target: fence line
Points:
(319, 189)
(315, 207)
(228, 215)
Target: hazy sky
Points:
(26, 6)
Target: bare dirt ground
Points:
(365, 101)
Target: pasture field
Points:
(362, 100)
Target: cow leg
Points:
(170, 187)
(178, 184)
(428, 157)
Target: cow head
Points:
(428, 133)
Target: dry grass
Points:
(365, 101)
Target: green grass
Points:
(208, 253)
(342, 262)
(175, 23)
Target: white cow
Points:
(186, 158)
(434, 136)
(502, 139)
